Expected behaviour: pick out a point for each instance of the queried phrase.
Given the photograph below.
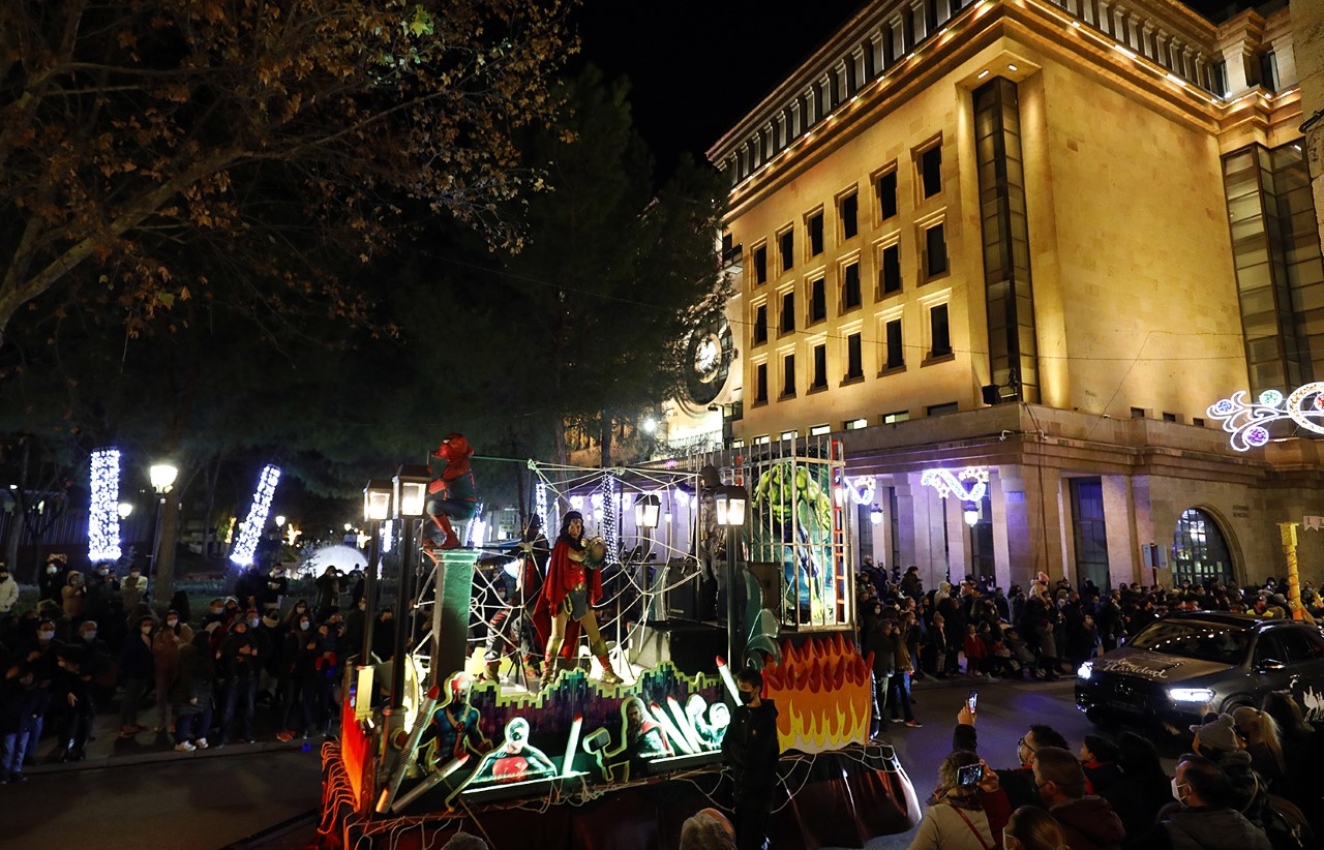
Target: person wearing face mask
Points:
(880, 639)
(271, 647)
(73, 688)
(298, 681)
(52, 579)
(299, 608)
(1202, 816)
(133, 587)
(74, 596)
(39, 654)
(97, 662)
(8, 591)
(19, 698)
(165, 650)
(273, 590)
(240, 662)
(751, 751)
(137, 669)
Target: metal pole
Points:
(403, 620)
(734, 638)
(370, 592)
(1288, 532)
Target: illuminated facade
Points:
(1040, 237)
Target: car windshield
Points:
(1216, 642)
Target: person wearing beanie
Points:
(1218, 741)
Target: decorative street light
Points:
(163, 477)
(409, 490)
(124, 509)
(730, 500)
(875, 515)
(648, 511)
(376, 509)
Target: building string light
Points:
(250, 530)
(103, 523)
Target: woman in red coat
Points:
(571, 589)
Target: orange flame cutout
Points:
(823, 694)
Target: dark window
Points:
(930, 166)
(1169, 417)
(850, 287)
(788, 313)
(1137, 413)
(820, 368)
(891, 272)
(1218, 77)
(1300, 645)
(1198, 422)
(817, 301)
(942, 409)
(931, 17)
(760, 324)
(761, 264)
(788, 375)
(815, 234)
(935, 251)
(850, 212)
(854, 357)
(908, 28)
(786, 242)
(889, 47)
(896, 357)
(939, 333)
(761, 383)
(886, 188)
(1269, 71)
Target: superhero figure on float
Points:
(452, 493)
(573, 586)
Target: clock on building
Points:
(709, 354)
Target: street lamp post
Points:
(970, 513)
(730, 501)
(162, 476)
(409, 495)
(376, 509)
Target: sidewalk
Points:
(108, 749)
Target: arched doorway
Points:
(1199, 552)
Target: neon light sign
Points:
(1248, 422)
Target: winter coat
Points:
(1100, 775)
(1090, 824)
(1206, 829)
(943, 828)
(751, 749)
(8, 594)
(166, 645)
(136, 660)
(883, 648)
(1137, 799)
(195, 680)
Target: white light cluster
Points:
(540, 504)
(250, 531)
(969, 484)
(1248, 422)
(103, 523)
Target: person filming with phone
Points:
(956, 819)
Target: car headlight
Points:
(1190, 694)
(1084, 671)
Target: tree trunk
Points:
(165, 556)
(16, 521)
(604, 431)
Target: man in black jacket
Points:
(750, 749)
(1018, 782)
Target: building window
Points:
(820, 368)
(1269, 71)
(1137, 413)
(1198, 422)
(849, 210)
(889, 272)
(819, 430)
(850, 287)
(854, 358)
(856, 424)
(788, 312)
(788, 435)
(817, 300)
(761, 383)
(763, 440)
(815, 228)
(761, 264)
(930, 170)
(885, 186)
(1169, 417)
(788, 375)
(942, 409)
(894, 418)
(935, 251)
(896, 358)
(786, 247)
(940, 338)
(760, 324)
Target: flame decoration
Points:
(822, 690)
(1248, 422)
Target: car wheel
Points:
(1236, 701)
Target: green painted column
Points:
(450, 616)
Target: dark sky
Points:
(697, 66)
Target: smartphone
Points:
(973, 701)
(969, 775)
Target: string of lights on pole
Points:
(250, 530)
(103, 524)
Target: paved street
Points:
(207, 802)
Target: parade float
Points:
(613, 741)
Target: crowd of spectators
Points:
(1248, 785)
(95, 642)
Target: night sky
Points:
(697, 66)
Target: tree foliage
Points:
(255, 139)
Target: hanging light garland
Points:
(250, 531)
(103, 522)
(968, 485)
(1248, 422)
(540, 504)
(861, 489)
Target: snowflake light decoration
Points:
(968, 485)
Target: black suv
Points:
(1177, 668)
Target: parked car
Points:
(1180, 667)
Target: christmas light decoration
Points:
(540, 503)
(860, 489)
(1248, 422)
(250, 530)
(103, 522)
(969, 484)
